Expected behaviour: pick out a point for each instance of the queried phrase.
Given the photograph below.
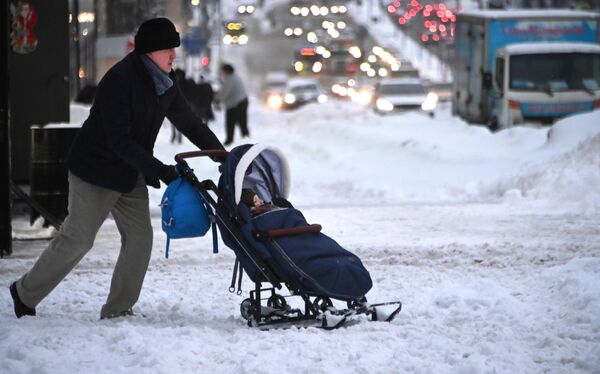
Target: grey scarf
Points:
(162, 82)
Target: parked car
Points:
(396, 94)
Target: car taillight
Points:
(597, 104)
(513, 104)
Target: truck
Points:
(518, 66)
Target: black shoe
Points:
(228, 142)
(20, 308)
(125, 313)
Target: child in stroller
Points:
(256, 204)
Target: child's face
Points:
(257, 201)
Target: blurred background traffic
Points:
(368, 51)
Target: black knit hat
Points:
(156, 34)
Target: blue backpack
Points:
(185, 214)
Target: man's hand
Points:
(220, 158)
(167, 174)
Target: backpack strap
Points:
(238, 273)
(165, 205)
(213, 224)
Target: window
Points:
(555, 72)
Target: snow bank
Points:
(567, 179)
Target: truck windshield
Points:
(555, 72)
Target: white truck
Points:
(521, 66)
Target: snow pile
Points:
(566, 180)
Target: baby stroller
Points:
(277, 248)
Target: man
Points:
(111, 163)
(234, 98)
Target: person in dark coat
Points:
(111, 163)
(204, 99)
(186, 90)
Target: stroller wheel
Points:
(322, 303)
(276, 301)
(247, 309)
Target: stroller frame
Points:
(277, 311)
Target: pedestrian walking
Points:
(235, 100)
(111, 163)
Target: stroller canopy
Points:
(261, 168)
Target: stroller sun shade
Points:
(265, 170)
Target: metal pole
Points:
(76, 38)
(5, 172)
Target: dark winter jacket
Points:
(116, 141)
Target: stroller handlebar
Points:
(214, 154)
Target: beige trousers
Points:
(89, 206)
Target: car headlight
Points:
(362, 97)
(243, 39)
(274, 101)
(227, 39)
(317, 67)
(322, 98)
(430, 102)
(384, 105)
(289, 98)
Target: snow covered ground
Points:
(491, 241)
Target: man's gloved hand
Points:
(220, 158)
(167, 174)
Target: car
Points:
(396, 94)
(247, 7)
(358, 91)
(273, 89)
(307, 60)
(297, 92)
(300, 91)
(235, 33)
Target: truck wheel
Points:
(493, 125)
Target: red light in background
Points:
(425, 38)
(391, 9)
(396, 4)
(402, 20)
(204, 61)
(308, 52)
(435, 37)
